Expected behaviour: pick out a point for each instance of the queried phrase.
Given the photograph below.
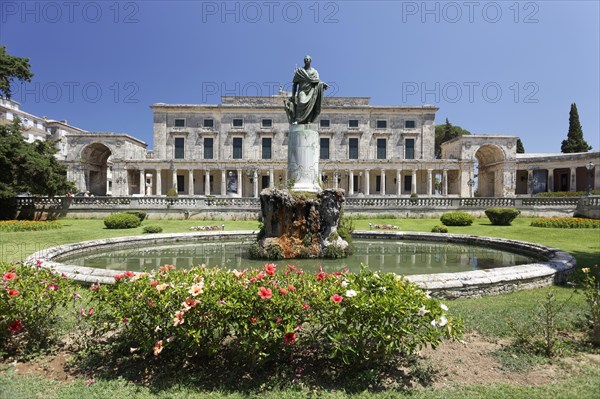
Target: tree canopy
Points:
(29, 167)
(520, 147)
(574, 141)
(444, 133)
(12, 67)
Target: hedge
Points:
(457, 219)
(502, 216)
(122, 221)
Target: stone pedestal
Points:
(300, 225)
(303, 158)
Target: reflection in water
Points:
(401, 257)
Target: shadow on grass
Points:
(229, 374)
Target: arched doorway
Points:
(490, 171)
(95, 158)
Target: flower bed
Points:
(385, 227)
(28, 225)
(567, 223)
(263, 314)
(206, 228)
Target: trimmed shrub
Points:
(121, 221)
(172, 193)
(152, 229)
(140, 214)
(502, 216)
(270, 314)
(457, 219)
(439, 229)
(567, 223)
(30, 302)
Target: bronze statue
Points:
(304, 107)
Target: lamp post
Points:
(590, 168)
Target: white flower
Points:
(427, 294)
(443, 321)
(344, 283)
(383, 289)
(376, 275)
(351, 293)
(433, 323)
(422, 311)
(444, 307)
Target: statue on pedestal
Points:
(304, 107)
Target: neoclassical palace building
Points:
(239, 147)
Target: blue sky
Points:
(510, 67)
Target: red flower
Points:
(125, 320)
(13, 292)
(278, 320)
(292, 267)
(283, 291)
(265, 293)
(38, 263)
(9, 276)
(53, 287)
(91, 311)
(15, 326)
(291, 288)
(129, 274)
(336, 298)
(118, 277)
(253, 319)
(270, 269)
(290, 338)
(321, 275)
(260, 276)
(305, 306)
(153, 283)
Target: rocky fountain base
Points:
(300, 225)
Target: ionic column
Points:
(336, 176)
(444, 182)
(382, 181)
(271, 178)
(207, 182)
(223, 182)
(367, 182)
(175, 180)
(413, 185)
(529, 181)
(398, 182)
(550, 182)
(191, 182)
(142, 182)
(240, 182)
(158, 181)
(573, 186)
(255, 182)
(350, 182)
(429, 181)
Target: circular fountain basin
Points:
(547, 266)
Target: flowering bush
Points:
(566, 223)
(264, 313)
(28, 225)
(590, 288)
(30, 298)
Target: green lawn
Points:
(487, 316)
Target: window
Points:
(267, 123)
(179, 148)
(237, 148)
(208, 123)
(324, 123)
(409, 149)
(381, 124)
(238, 122)
(208, 147)
(266, 148)
(381, 148)
(353, 148)
(324, 148)
(409, 124)
(179, 122)
(353, 123)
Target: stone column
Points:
(142, 182)
(367, 182)
(207, 182)
(255, 183)
(382, 181)
(550, 183)
(413, 186)
(573, 186)
(223, 182)
(271, 178)
(429, 181)
(336, 176)
(303, 157)
(191, 182)
(398, 182)
(445, 181)
(350, 182)
(175, 180)
(240, 187)
(158, 181)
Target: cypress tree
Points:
(574, 141)
(520, 147)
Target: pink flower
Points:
(94, 287)
(178, 319)
(125, 320)
(197, 288)
(265, 293)
(91, 311)
(153, 283)
(158, 347)
(321, 275)
(278, 320)
(336, 298)
(9, 276)
(291, 288)
(39, 263)
(253, 319)
(53, 287)
(76, 296)
(13, 292)
(15, 326)
(270, 269)
(305, 306)
(290, 338)
(283, 291)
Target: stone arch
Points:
(490, 178)
(96, 160)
